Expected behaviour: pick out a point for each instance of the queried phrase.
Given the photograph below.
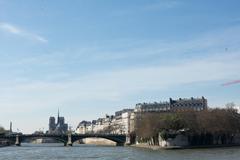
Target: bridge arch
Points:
(67, 139)
(57, 139)
(118, 139)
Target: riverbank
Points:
(4, 144)
(145, 146)
(48, 151)
(98, 141)
(154, 147)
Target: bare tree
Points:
(204, 125)
(2, 130)
(230, 105)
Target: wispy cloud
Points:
(219, 43)
(222, 43)
(114, 86)
(9, 28)
(198, 61)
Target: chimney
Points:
(10, 129)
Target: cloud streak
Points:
(115, 85)
(9, 28)
(211, 64)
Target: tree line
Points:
(212, 126)
(2, 130)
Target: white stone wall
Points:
(80, 130)
(84, 129)
(132, 122)
(120, 125)
(179, 140)
(126, 122)
(98, 127)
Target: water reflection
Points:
(56, 151)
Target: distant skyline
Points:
(89, 58)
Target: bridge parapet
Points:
(67, 139)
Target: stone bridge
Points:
(66, 139)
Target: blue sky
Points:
(89, 58)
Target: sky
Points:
(93, 57)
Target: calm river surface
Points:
(90, 152)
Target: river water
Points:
(91, 152)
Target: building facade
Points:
(181, 104)
(123, 121)
(84, 127)
(196, 104)
(110, 124)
